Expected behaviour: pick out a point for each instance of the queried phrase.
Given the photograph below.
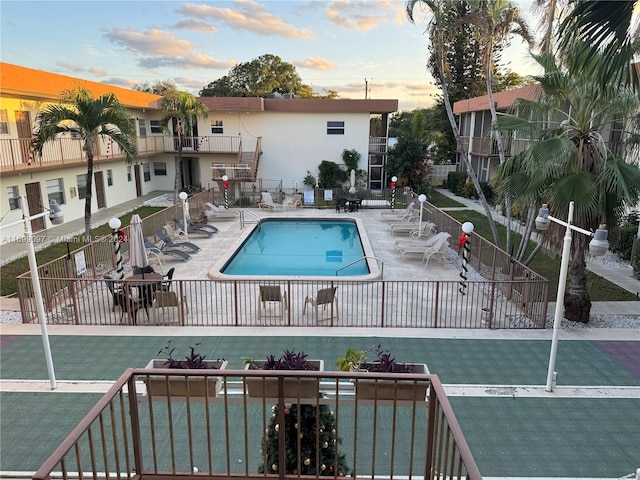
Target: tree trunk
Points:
(87, 200)
(577, 303)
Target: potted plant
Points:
(294, 387)
(371, 389)
(180, 386)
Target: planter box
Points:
(389, 390)
(293, 388)
(157, 385)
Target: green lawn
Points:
(544, 263)
(11, 270)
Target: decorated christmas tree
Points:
(318, 442)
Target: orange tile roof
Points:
(27, 82)
(503, 100)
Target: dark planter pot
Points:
(393, 390)
(293, 388)
(180, 386)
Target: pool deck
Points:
(588, 428)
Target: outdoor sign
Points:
(309, 197)
(81, 265)
(328, 195)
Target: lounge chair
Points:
(399, 215)
(271, 294)
(291, 202)
(419, 247)
(161, 250)
(325, 298)
(439, 250)
(196, 229)
(218, 212)
(169, 242)
(413, 229)
(267, 202)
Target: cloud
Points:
(362, 15)
(315, 63)
(196, 25)
(120, 81)
(156, 48)
(68, 67)
(246, 15)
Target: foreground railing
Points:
(248, 423)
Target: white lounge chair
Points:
(219, 212)
(419, 247)
(413, 228)
(291, 202)
(267, 202)
(439, 250)
(400, 214)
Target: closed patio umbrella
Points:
(137, 251)
(352, 178)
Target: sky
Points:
(335, 45)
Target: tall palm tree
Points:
(182, 110)
(569, 158)
(81, 114)
(443, 28)
(496, 21)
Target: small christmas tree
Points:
(318, 444)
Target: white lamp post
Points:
(421, 198)
(225, 183)
(394, 179)
(115, 225)
(183, 196)
(56, 216)
(597, 247)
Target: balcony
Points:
(227, 432)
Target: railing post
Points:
(235, 302)
(383, 304)
(431, 434)
(134, 418)
(436, 309)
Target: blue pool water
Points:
(299, 247)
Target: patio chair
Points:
(325, 298)
(419, 247)
(400, 215)
(162, 250)
(168, 299)
(166, 286)
(267, 202)
(272, 294)
(220, 213)
(414, 229)
(293, 203)
(341, 203)
(182, 244)
(127, 302)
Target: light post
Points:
(394, 179)
(597, 247)
(183, 196)
(115, 225)
(421, 198)
(56, 216)
(464, 243)
(225, 183)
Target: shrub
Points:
(469, 190)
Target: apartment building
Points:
(251, 140)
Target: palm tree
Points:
(569, 158)
(606, 31)
(496, 21)
(183, 110)
(81, 114)
(443, 27)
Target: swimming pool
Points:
(299, 248)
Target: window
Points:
(4, 123)
(142, 126)
(335, 128)
(81, 181)
(160, 169)
(146, 171)
(12, 193)
(155, 126)
(128, 173)
(55, 190)
(109, 178)
(216, 126)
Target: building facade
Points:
(263, 142)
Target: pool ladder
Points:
(244, 221)
(379, 260)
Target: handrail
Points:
(251, 214)
(379, 260)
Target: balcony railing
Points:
(136, 432)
